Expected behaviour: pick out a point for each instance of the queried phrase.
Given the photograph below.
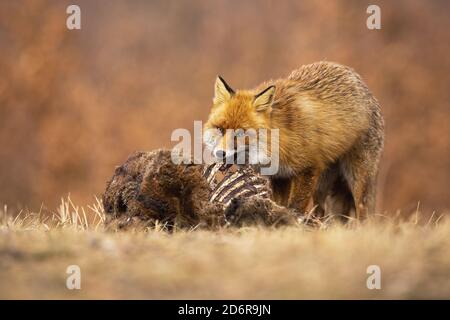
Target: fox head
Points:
(235, 120)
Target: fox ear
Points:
(263, 100)
(222, 91)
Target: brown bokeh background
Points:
(73, 104)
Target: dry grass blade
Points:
(328, 261)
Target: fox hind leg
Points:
(323, 189)
(360, 174)
(341, 203)
(333, 196)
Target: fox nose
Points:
(220, 154)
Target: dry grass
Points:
(289, 263)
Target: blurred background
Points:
(74, 104)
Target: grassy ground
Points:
(254, 263)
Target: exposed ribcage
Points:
(228, 181)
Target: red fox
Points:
(331, 135)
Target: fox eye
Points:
(221, 130)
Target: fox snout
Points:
(222, 154)
(221, 146)
(225, 149)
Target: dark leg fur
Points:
(281, 188)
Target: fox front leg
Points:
(281, 190)
(302, 188)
